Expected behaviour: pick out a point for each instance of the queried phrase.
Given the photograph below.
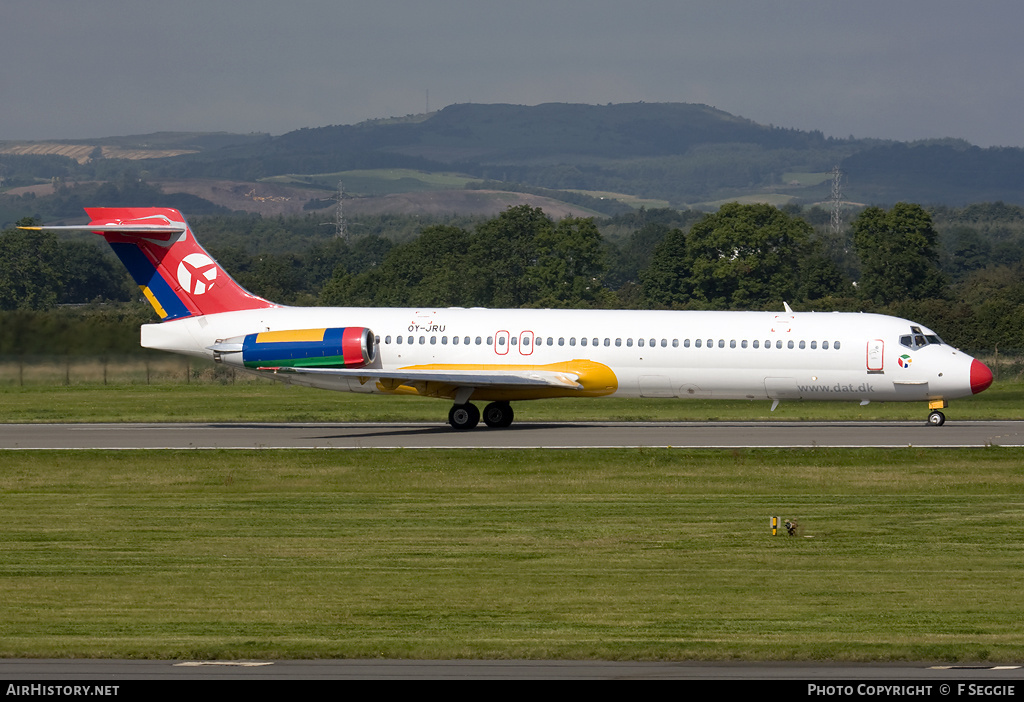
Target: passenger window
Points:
(835, 346)
(789, 344)
(814, 344)
(824, 345)
(697, 343)
(675, 343)
(490, 340)
(387, 339)
(803, 344)
(664, 343)
(607, 341)
(629, 343)
(778, 344)
(757, 344)
(572, 341)
(686, 343)
(640, 343)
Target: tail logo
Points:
(197, 273)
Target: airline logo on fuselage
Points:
(197, 273)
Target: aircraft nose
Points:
(981, 376)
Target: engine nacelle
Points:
(337, 347)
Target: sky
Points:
(888, 69)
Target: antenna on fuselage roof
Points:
(786, 305)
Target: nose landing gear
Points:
(935, 417)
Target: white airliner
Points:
(501, 355)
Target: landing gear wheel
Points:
(936, 419)
(463, 417)
(498, 415)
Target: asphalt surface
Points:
(312, 670)
(520, 435)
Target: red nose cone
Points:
(981, 376)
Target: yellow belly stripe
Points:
(597, 380)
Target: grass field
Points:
(246, 399)
(625, 554)
(605, 554)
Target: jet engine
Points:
(336, 347)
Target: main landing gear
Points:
(497, 415)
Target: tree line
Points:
(965, 284)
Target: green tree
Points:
(506, 250)
(570, 265)
(435, 269)
(29, 277)
(746, 256)
(898, 254)
(90, 272)
(634, 255)
(666, 281)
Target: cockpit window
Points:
(916, 339)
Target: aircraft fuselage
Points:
(720, 355)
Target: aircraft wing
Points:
(458, 378)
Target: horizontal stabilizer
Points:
(115, 227)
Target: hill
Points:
(679, 155)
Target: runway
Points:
(550, 435)
(1004, 676)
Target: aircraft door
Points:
(876, 356)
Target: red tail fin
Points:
(175, 273)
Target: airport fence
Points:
(113, 370)
(167, 369)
